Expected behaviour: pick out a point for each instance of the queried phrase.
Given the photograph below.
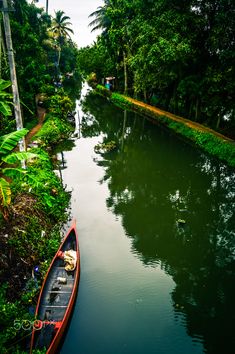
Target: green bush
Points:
(53, 131)
(45, 186)
(103, 91)
(60, 105)
(35, 237)
(10, 313)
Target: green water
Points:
(149, 283)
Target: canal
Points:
(156, 224)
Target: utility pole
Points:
(15, 92)
(47, 6)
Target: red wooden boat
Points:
(57, 295)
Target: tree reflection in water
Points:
(154, 180)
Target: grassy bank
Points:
(30, 235)
(203, 137)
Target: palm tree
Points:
(103, 21)
(61, 30)
(61, 27)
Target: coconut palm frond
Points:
(100, 17)
(61, 25)
(96, 28)
(95, 22)
(67, 29)
(97, 12)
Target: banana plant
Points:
(5, 98)
(10, 165)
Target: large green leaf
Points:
(4, 84)
(13, 172)
(9, 141)
(6, 95)
(5, 109)
(5, 192)
(16, 157)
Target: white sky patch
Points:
(78, 11)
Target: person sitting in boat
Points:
(70, 259)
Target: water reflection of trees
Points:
(154, 180)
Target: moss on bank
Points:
(205, 138)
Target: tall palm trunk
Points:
(125, 73)
(59, 56)
(16, 99)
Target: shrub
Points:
(53, 131)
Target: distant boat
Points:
(57, 296)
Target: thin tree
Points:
(61, 30)
(16, 99)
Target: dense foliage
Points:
(45, 56)
(33, 201)
(9, 165)
(28, 238)
(177, 55)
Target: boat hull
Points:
(57, 297)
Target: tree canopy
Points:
(44, 52)
(178, 56)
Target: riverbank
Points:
(207, 139)
(30, 234)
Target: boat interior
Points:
(55, 297)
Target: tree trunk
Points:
(125, 74)
(175, 100)
(58, 60)
(145, 96)
(218, 121)
(196, 110)
(16, 99)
